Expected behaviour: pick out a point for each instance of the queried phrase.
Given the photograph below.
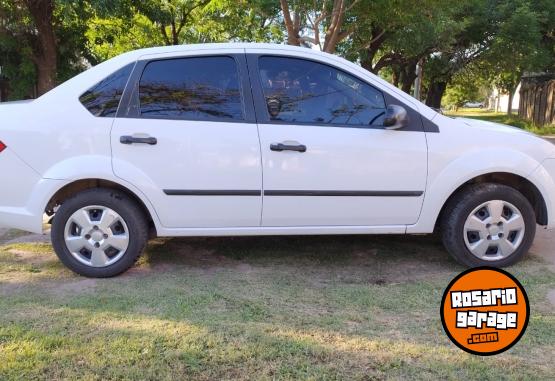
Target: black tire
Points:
(122, 204)
(461, 206)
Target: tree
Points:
(172, 17)
(119, 27)
(242, 20)
(517, 47)
(477, 21)
(393, 34)
(467, 85)
(307, 21)
(174, 21)
(32, 23)
(44, 53)
(109, 37)
(34, 35)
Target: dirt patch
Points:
(31, 257)
(544, 246)
(7, 235)
(29, 238)
(59, 287)
(551, 297)
(64, 288)
(244, 268)
(10, 288)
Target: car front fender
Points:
(444, 181)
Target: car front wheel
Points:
(99, 232)
(488, 225)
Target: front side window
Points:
(199, 88)
(301, 91)
(103, 98)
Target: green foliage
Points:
(109, 37)
(115, 30)
(497, 41)
(465, 87)
(517, 47)
(15, 54)
(18, 43)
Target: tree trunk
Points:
(335, 34)
(408, 76)
(290, 24)
(370, 51)
(435, 93)
(175, 35)
(396, 75)
(406, 85)
(367, 64)
(45, 55)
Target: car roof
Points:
(219, 46)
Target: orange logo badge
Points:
(485, 311)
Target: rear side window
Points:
(308, 92)
(197, 88)
(103, 99)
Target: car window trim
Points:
(263, 116)
(130, 106)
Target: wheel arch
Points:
(72, 188)
(528, 189)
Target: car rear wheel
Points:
(99, 232)
(488, 225)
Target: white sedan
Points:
(253, 139)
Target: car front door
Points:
(186, 136)
(327, 159)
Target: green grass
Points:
(512, 120)
(326, 308)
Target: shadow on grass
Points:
(304, 249)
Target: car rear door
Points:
(327, 159)
(186, 136)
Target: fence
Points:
(537, 99)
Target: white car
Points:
(473, 105)
(254, 139)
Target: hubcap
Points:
(494, 230)
(96, 236)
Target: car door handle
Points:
(135, 140)
(279, 147)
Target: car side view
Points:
(258, 139)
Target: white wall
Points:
(499, 102)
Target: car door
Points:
(327, 159)
(186, 136)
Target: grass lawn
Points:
(503, 118)
(350, 307)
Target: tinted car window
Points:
(200, 88)
(103, 99)
(301, 91)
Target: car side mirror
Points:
(395, 117)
